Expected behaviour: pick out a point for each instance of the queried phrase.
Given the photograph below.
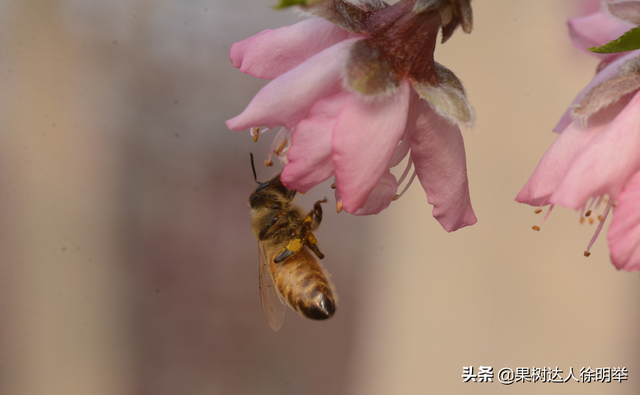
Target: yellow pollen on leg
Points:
(294, 245)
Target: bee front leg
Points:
(267, 227)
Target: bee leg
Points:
(315, 216)
(293, 246)
(311, 242)
(316, 250)
(265, 229)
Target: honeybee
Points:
(290, 273)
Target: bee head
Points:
(269, 193)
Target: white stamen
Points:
(256, 132)
(280, 146)
(406, 186)
(406, 171)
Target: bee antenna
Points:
(253, 167)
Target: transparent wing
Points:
(272, 304)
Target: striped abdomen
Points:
(301, 280)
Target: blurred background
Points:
(128, 265)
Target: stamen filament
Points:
(397, 196)
(600, 225)
(537, 227)
(406, 170)
(279, 147)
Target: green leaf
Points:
(627, 42)
(289, 3)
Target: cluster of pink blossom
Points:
(356, 90)
(596, 157)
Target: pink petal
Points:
(405, 145)
(309, 156)
(364, 140)
(606, 164)
(555, 164)
(287, 100)
(437, 150)
(273, 52)
(624, 232)
(608, 72)
(595, 30)
(380, 197)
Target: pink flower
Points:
(597, 154)
(358, 90)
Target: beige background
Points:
(128, 265)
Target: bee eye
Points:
(257, 200)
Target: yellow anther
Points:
(255, 134)
(536, 228)
(339, 206)
(538, 211)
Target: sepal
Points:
(609, 91)
(447, 97)
(453, 13)
(626, 10)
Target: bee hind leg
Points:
(311, 242)
(306, 237)
(313, 246)
(293, 246)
